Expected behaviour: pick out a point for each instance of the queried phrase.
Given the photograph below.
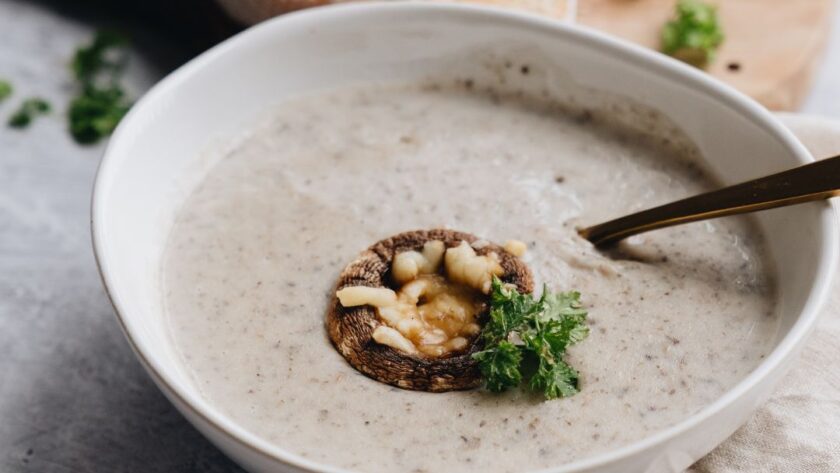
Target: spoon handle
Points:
(815, 181)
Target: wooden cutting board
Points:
(771, 50)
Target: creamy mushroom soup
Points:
(677, 316)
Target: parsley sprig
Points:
(28, 110)
(101, 102)
(104, 56)
(5, 89)
(526, 338)
(694, 34)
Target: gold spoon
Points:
(815, 181)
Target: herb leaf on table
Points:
(5, 89)
(102, 101)
(694, 34)
(29, 109)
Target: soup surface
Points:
(678, 316)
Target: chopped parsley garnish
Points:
(29, 109)
(694, 34)
(5, 89)
(526, 339)
(96, 112)
(104, 56)
(102, 102)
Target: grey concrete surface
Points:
(72, 396)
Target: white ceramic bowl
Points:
(154, 157)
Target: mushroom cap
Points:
(351, 328)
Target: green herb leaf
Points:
(694, 34)
(29, 109)
(508, 308)
(5, 89)
(102, 102)
(500, 366)
(105, 55)
(526, 331)
(555, 380)
(96, 112)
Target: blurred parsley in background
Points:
(694, 34)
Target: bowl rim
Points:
(724, 94)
